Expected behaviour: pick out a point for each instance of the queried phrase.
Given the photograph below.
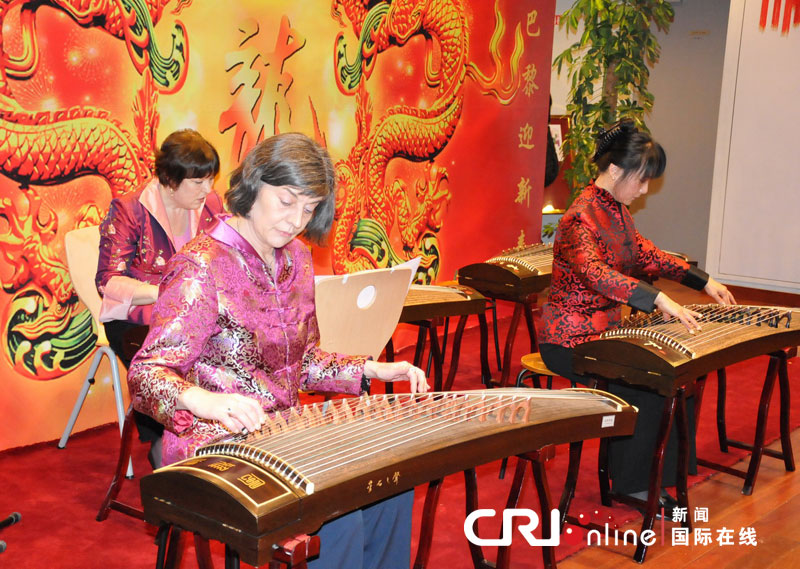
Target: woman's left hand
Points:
(719, 292)
(397, 371)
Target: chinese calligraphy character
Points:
(531, 23)
(702, 536)
(525, 136)
(521, 238)
(369, 487)
(529, 75)
(747, 536)
(701, 514)
(396, 477)
(679, 514)
(251, 481)
(725, 536)
(524, 192)
(222, 466)
(680, 536)
(259, 85)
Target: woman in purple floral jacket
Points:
(140, 233)
(234, 333)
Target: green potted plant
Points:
(609, 69)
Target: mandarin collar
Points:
(603, 195)
(224, 233)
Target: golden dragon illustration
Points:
(45, 333)
(368, 206)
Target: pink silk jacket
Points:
(222, 322)
(135, 244)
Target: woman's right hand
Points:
(671, 308)
(237, 412)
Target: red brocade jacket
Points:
(597, 250)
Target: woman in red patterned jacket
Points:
(596, 253)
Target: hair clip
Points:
(610, 134)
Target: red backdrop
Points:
(438, 134)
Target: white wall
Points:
(686, 84)
(755, 227)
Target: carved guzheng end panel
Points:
(310, 465)
(512, 275)
(649, 350)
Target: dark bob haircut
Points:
(289, 159)
(185, 154)
(635, 152)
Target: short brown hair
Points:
(185, 154)
(288, 159)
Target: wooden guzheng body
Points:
(512, 275)
(333, 457)
(647, 350)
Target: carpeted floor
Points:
(58, 491)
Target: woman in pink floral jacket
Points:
(140, 233)
(234, 333)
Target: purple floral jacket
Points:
(597, 250)
(223, 323)
(135, 245)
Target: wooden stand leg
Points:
(202, 552)
(110, 501)
(530, 307)
(654, 491)
(722, 390)
(486, 373)
(437, 357)
(545, 506)
(426, 529)
(512, 332)
(451, 373)
(232, 558)
(786, 432)
(575, 450)
(602, 473)
(761, 425)
(475, 551)
(682, 478)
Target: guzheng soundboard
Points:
(424, 302)
(650, 350)
(308, 466)
(512, 275)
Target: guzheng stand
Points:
(516, 276)
(777, 368)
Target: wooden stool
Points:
(535, 368)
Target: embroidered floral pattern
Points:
(223, 323)
(597, 249)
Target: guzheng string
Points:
(731, 320)
(361, 437)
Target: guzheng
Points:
(649, 350)
(326, 459)
(424, 302)
(512, 275)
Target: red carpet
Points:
(58, 491)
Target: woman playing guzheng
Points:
(234, 333)
(141, 232)
(597, 251)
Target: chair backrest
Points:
(357, 313)
(83, 250)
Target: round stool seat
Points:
(533, 363)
